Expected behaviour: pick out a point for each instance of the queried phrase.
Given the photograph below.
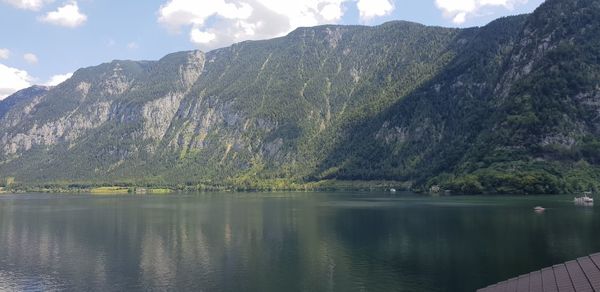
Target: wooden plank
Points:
(581, 275)
(535, 282)
(523, 283)
(580, 281)
(511, 285)
(563, 281)
(591, 272)
(548, 280)
(502, 286)
(491, 288)
(596, 259)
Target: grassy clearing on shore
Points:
(159, 191)
(110, 190)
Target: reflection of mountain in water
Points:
(296, 242)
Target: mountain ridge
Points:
(400, 101)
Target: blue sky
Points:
(45, 40)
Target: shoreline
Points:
(276, 185)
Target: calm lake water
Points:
(284, 242)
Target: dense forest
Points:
(512, 107)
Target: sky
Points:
(44, 41)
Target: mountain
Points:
(21, 96)
(511, 107)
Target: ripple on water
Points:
(279, 242)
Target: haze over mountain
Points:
(513, 106)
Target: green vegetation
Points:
(110, 190)
(264, 186)
(511, 107)
(154, 191)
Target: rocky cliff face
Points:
(399, 101)
(254, 105)
(23, 96)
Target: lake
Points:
(284, 241)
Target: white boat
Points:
(584, 199)
(539, 209)
(392, 190)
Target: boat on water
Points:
(539, 209)
(585, 199)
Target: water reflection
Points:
(285, 242)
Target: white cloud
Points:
(461, 17)
(201, 37)
(12, 80)
(4, 54)
(460, 10)
(67, 15)
(177, 13)
(216, 23)
(133, 46)
(369, 9)
(332, 12)
(30, 58)
(27, 4)
(58, 79)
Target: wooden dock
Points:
(581, 275)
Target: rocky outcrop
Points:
(158, 115)
(66, 129)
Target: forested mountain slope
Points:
(22, 96)
(510, 107)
